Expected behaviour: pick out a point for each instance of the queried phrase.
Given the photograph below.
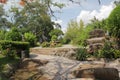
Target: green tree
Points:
(4, 23)
(77, 33)
(98, 24)
(71, 32)
(113, 23)
(57, 32)
(13, 35)
(117, 2)
(34, 18)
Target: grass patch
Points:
(5, 60)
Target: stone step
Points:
(83, 79)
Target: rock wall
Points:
(96, 40)
(66, 52)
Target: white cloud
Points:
(63, 28)
(100, 14)
(58, 21)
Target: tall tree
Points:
(113, 24)
(4, 23)
(34, 18)
(76, 32)
(117, 2)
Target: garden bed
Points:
(7, 66)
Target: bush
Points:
(31, 38)
(113, 22)
(13, 35)
(9, 53)
(116, 54)
(11, 48)
(54, 38)
(2, 35)
(45, 44)
(81, 54)
(107, 51)
(58, 45)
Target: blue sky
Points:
(85, 11)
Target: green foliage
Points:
(98, 24)
(31, 38)
(81, 54)
(113, 22)
(107, 51)
(76, 33)
(13, 35)
(54, 38)
(45, 44)
(4, 22)
(2, 35)
(1, 10)
(117, 2)
(56, 32)
(11, 48)
(72, 30)
(3, 64)
(58, 45)
(34, 18)
(116, 54)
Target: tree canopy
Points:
(113, 22)
(77, 33)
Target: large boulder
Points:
(98, 73)
(83, 79)
(66, 52)
(97, 33)
(95, 40)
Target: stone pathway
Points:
(60, 68)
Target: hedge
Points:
(14, 46)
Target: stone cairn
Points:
(96, 40)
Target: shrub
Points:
(107, 51)
(54, 38)
(11, 48)
(13, 35)
(9, 53)
(81, 54)
(31, 38)
(58, 45)
(113, 22)
(45, 44)
(116, 54)
(2, 35)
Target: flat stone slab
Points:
(83, 79)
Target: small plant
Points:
(81, 54)
(54, 38)
(59, 45)
(107, 51)
(116, 54)
(31, 38)
(45, 44)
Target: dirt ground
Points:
(48, 67)
(29, 70)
